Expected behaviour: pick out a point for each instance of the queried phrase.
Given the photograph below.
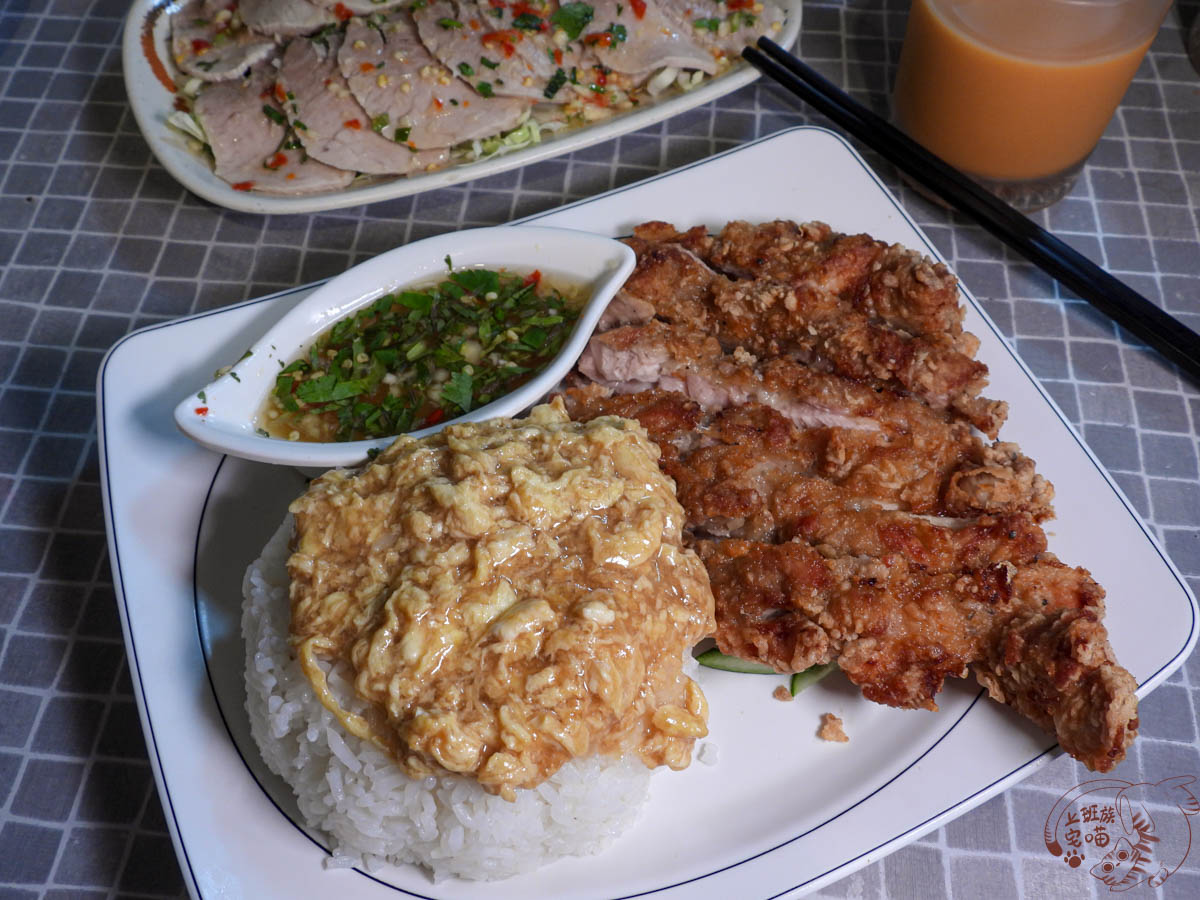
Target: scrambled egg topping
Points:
(506, 596)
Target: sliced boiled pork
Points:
(284, 18)
(248, 142)
(331, 124)
(209, 41)
(725, 26)
(505, 62)
(637, 39)
(408, 95)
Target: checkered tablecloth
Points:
(96, 240)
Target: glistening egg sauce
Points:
(505, 596)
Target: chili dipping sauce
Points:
(422, 355)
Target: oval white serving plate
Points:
(222, 415)
(152, 103)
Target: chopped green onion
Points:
(555, 83)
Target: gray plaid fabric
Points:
(96, 240)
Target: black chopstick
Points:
(1115, 299)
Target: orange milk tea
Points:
(1018, 89)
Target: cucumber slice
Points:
(810, 676)
(715, 659)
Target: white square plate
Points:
(781, 813)
(152, 103)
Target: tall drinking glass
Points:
(1016, 93)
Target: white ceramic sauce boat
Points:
(222, 415)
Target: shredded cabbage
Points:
(661, 81)
(526, 134)
(185, 122)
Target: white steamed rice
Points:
(373, 812)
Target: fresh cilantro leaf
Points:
(415, 300)
(458, 390)
(572, 18)
(477, 281)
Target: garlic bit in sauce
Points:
(504, 596)
(422, 355)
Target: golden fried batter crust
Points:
(815, 399)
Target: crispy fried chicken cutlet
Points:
(818, 404)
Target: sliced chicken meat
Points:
(331, 124)
(892, 284)
(248, 145)
(409, 97)
(209, 41)
(815, 400)
(810, 322)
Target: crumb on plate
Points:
(831, 729)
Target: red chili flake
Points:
(638, 7)
(201, 410)
(244, 186)
(599, 38)
(342, 13)
(475, 25)
(199, 45)
(438, 103)
(520, 8)
(290, 175)
(280, 93)
(534, 277)
(497, 4)
(601, 77)
(352, 123)
(558, 57)
(433, 418)
(279, 159)
(366, 67)
(503, 39)
(739, 4)
(181, 103)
